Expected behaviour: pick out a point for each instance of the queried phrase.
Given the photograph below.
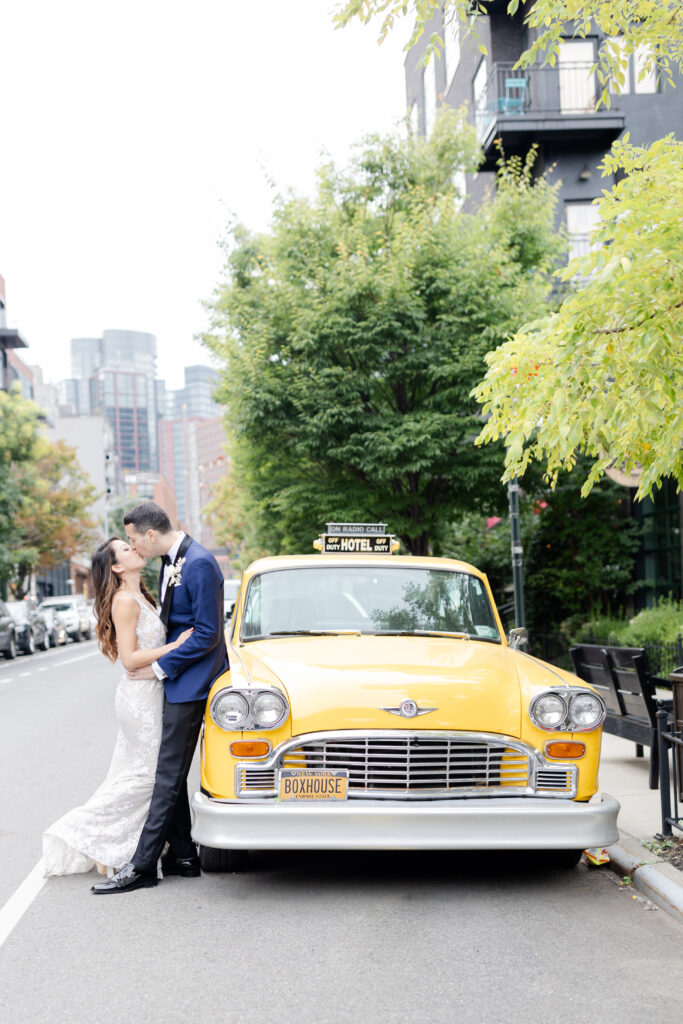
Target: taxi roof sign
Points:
(356, 539)
(358, 529)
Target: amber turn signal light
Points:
(254, 748)
(563, 749)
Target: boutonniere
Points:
(175, 575)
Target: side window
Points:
(581, 219)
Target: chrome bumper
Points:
(528, 823)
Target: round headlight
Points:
(229, 710)
(269, 709)
(585, 712)
(548, 711)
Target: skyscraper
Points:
(115, 376)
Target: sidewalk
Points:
(625, 777)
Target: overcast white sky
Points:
(132, 131)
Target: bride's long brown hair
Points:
(107, 583)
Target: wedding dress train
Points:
(106, 829)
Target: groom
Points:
(191, 595)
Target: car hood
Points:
(347, 682)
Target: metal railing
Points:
(565, 89)
(554, 647)
(670, 773)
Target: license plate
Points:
(313, 784)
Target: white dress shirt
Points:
(172, 553)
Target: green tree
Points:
(581, 556)
(653, 28)
(353, 332)
(18, 439)
(603, 376)
(44, 497)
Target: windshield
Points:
(63, 606)
(369, 600)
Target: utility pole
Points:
(516, 546)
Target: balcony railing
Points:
(567, 90)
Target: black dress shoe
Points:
(125, 880)
(186, 867)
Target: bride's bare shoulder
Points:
(125, 606)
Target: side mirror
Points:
(518, 637)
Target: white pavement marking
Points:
(81, 657)
(22, 674)
(21, 900)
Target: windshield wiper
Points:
(302, 632)
(424, 632)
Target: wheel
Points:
(77, 636)
(30, 645)
(88, 634)
(11, 651)
(563, 860)
(53, 639)
(45, 642)
(222, 860)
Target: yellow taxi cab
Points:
(374, 702)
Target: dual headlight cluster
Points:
(233, 710)
(567, 710)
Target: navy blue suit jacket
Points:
(197, 602)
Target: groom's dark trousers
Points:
(195, 600)
(169, 812)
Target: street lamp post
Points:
(516, 546)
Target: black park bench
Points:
(622, 677)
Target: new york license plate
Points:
(313, 784)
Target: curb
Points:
(657, 881)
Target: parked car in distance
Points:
(230, 592)
(92, 616)
(8, 633)
(31, 630)
(54, 623)
(74, 613)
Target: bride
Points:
(104, 832)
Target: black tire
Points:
(564, 860)
(222, 860)
(11, 651)
(30, 645)
(77, 636)
(88, 635)
(45, 642)
(52, 640)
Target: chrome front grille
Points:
(406, 765)
(402, 765)
(559, 779)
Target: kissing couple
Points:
(171, 658)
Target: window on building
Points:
(429, 92)
(452, 49)
(615, 45)
(481, 115)
(645, 78)
(581, 218)
(413, 119)
(577, 84)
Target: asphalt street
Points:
(325, 937)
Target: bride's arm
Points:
(125, 613)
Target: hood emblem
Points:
(408, 709)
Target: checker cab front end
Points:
(373, 702)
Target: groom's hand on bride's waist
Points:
(142, 673)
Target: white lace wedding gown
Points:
(106, 829)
